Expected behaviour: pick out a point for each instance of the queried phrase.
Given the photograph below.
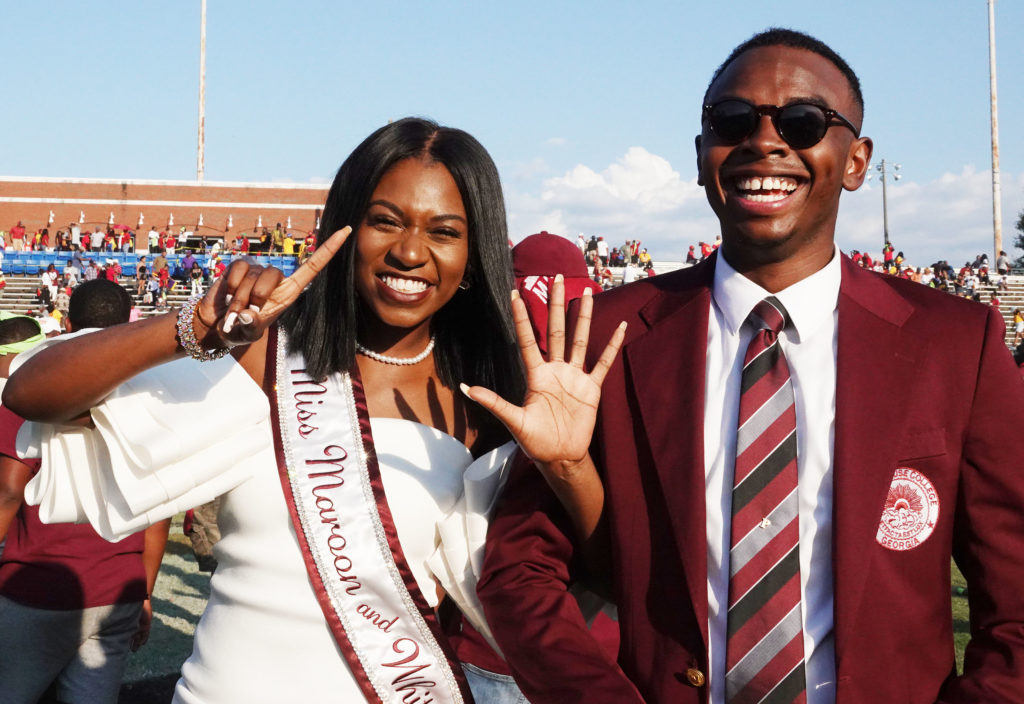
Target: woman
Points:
(141, 277)
(330, 593)
(195, 275)
(49, 281)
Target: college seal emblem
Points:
(910, 513)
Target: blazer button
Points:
(695, 677)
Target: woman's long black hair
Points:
(474, 332)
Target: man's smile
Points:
(769, 189)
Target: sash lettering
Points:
(329, 479)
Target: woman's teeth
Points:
(404, 285)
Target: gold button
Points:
(695, 677)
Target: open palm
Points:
(556, 421)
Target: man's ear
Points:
(700, 177)
(857, 161)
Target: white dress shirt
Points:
(810, 350)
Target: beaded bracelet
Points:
(187, 336)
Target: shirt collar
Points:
(810, 301)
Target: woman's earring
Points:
(464, 285)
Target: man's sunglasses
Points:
(801, 125)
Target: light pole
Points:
(883, 168)
(997, 216)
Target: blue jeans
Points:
(492, 688)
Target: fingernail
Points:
(464, 389)
(245, 318)
(227, 298)
(622, 325)
(559, 278)
(587, 292)
(253, 307)
(515, 294)
(229, 322)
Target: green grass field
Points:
(961, 619)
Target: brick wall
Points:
(31, 200)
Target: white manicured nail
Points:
(229, 322)
(227, 298)
(464, 389)
(245, 318)
(253, 307)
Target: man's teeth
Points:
(767, 189)
(404, 285)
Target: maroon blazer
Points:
(924, 380)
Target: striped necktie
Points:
(764, 646)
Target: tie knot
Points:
(770, 314)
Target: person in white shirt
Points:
(793, 556)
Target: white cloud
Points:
(642, 196)
(556, 141)
(947, 218)
(639, 196)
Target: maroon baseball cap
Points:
(535, 262)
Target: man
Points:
(72, 605)
(1002, 263)
(18, 237)
(823, 576)
(160, 262)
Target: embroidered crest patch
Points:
(911, 511)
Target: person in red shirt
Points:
(112, 272)
(72, 605)
(18, 237)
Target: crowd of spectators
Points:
(122, 238)
(154, 277)
(634, 260)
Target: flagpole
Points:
(200, 157)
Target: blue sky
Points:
(589, 109)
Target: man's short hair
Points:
(99, 304)
(780, 36)
(18, 328)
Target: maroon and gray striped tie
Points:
(764, 646)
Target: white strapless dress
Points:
(163, 443)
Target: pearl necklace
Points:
(400, 361)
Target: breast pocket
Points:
(919, 444)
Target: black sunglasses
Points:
(801, 125)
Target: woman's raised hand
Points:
(243, 302)
(556, 421)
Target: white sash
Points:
(383, 625)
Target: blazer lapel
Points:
(870, 357)
(666, 367)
